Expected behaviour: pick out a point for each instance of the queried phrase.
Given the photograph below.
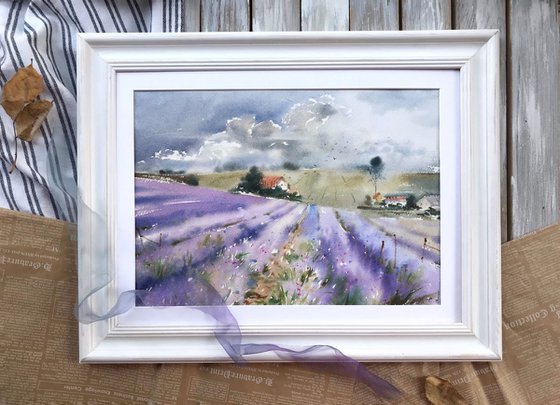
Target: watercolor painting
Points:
(288, 197)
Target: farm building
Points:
(429, 201)
(396, 199)
(272, 182)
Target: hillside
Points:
(327, 187)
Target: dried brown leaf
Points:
(441, 392)
(30, 119)
(22, 88)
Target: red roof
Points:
(395, 197)
(271, 181)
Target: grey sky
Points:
(202, 131)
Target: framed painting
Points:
(336, 189)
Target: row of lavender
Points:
(255, 250)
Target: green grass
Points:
(160, 268)
(240, 257)
(290, 256)
(345, 296)
(210, 241)
(277, 293)
(409, 299)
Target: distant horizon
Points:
(429, 170)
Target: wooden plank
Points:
(192, 16)
(225, 15)
(276, 15)
(374, 15)
(477, 14)
(426, 14)
(533, 115)
(321, 15)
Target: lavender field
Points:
(256, 250)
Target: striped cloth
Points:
(44, 31)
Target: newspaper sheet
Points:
(39, 340)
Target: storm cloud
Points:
(334, 129)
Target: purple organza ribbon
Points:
(206, 299)
(199, 295)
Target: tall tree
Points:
(376, 167)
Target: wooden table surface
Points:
(530, 73)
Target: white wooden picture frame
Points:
(462, 65)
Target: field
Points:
(327, 187)
(255, 250)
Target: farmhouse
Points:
(272, 182)
(429, 201)
(395, 199)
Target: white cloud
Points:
(240, 128)
(211, 156)
(326, 131)
(265, 129)
(310, 115)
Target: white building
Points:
(429, 201)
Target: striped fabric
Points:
(44, 31)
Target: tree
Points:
(290, 166)
(411, 202)
(375, 169)
(251, 182)
(191, 179)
